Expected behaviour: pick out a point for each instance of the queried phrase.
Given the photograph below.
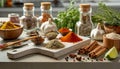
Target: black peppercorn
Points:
(67, 58)
(78, 58)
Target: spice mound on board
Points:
(38, 40)
(9, 25)
(54, 44)
(70, 37)
(64, 31)
(51, 35)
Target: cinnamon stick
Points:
(94, 51)
(92, 47)
(88, 48)
(100, 52)
(82, 50)
(92, 44)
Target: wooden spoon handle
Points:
(22, 40)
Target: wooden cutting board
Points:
(55, 53)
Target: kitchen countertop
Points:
(29, 58)
(32, 57)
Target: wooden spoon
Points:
(3, 46)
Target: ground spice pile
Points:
(8, 25)
(70, 37)
(64, 31)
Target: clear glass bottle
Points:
(85, 25)
(28, 19)
(46, 12)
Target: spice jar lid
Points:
(85, 7)
(45, 5)
(29, 6)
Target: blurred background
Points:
(15, 6)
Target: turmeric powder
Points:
(70, 37)
(8, 25)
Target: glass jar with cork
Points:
(14, 17)
(85, 25)
(46, 12)
(28, 19)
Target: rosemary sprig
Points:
(107, 14)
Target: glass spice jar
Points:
(46, 12)
(14, 17)
(85, 25)
(28, 19)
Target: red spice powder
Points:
(64, 31)
(70, 37)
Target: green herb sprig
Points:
(107, 15)
(69, 17)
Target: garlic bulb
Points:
(97, 33)
(48, 26)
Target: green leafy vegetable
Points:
(68, 18)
